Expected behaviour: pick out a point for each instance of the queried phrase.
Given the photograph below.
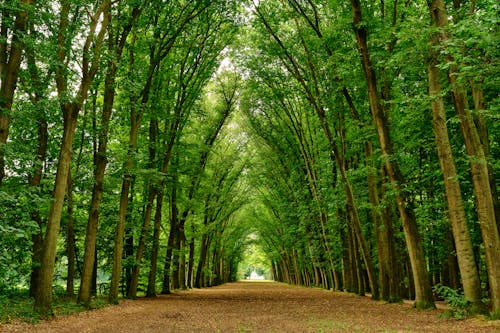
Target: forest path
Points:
(257, 307)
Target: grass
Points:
(322, 325)
(244, 329)
(16, 305)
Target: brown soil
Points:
(257, 307)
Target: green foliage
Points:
(460, 307)
(266, 190)
(254, 259)
(15, 304)
(16, 228)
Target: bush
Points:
(15, 304)
(460, 307)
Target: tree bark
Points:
(43, 297)
(115, 46)
(10, 63)
(70, 111)
(70, 239)
(456, 211)
(482, 129)
(36, 177)
(167, 274)
(151, 291)
(479, 167)
(132, 291)
(190, 277)
(423, 291)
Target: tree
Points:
(479, 168)
(117, 36)
(463, 243)
(423, 292)
(12, 31)
(70, 107)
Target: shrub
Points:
(460, 307)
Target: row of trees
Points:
(114, 128)
(363, 157)
(379, 122)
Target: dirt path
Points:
(257, 307)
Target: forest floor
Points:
(257, 307)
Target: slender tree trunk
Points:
(450, 273)
(423, 291)
(136, 113)
(120, 228)
(70, 239)
(482, 129)
(463, 243)
(182, 259)
(115, 47)
(10, 63)
(34, 181)
(151, 291)
(167, 274)
(128, 247)
(70, 111)
(204, 244)
(388, 274)
(479, 167)
(152, 190)
(176, 259)
(36, 257)
(132, 291)
(100, 163)
(44, 293)
(190, 277)
(346, 262)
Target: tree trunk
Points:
(463, 243)
(423, 291)
(44, 293)
(151, 291)
(388, 274)
(479, 167)
(190, 277)
(70, 240)
(34, 181)
(182, 259)
(204, 244)
(10, 63)
(120, 231)
(135, 122)
(70, 111)
(101, 161)
(128, 247)
(175, 259)
(132, 291)
(167, 274)
(482, 129)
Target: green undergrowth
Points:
(16, 305)
(460, 307)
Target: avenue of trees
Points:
(146, 145)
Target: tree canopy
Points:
(160, 145)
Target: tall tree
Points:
(463, 242)
(70, 107)
(160, 46)
(423, 292)
(12, 33)
(117, 36)
(479, 167)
